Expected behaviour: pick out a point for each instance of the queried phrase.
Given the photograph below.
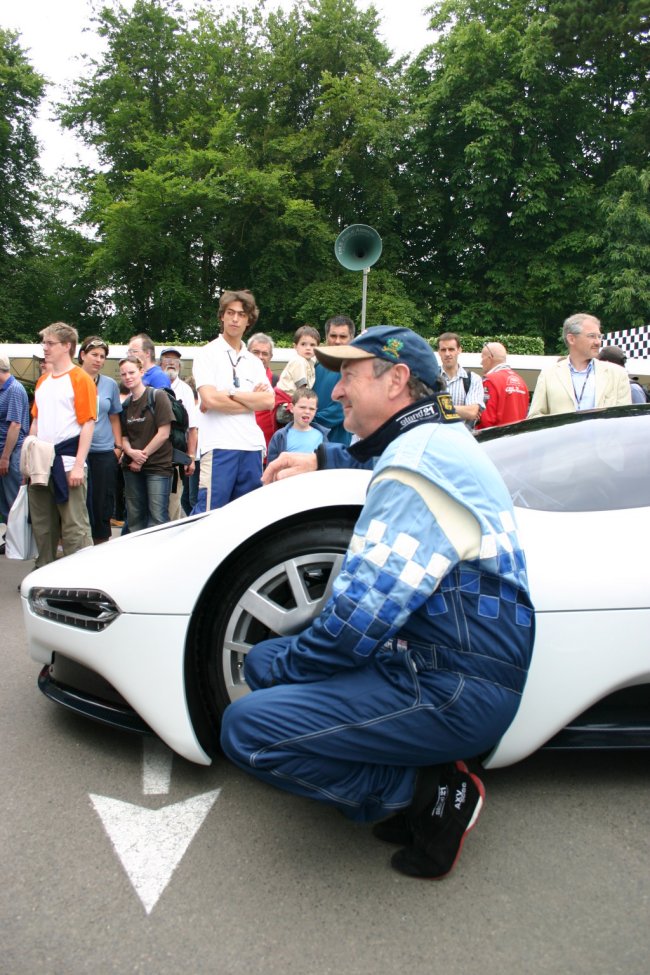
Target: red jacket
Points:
(506, 398)
(266, 418)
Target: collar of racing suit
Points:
(434, 409)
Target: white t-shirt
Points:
(63, 403)
(218, 365)
(183, 392)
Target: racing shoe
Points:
(439, 831)
(398, 829)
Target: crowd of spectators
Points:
(98, 456)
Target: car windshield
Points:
(601, 463)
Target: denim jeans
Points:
(147, 499)
(9, 485)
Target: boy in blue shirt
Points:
(301, 435)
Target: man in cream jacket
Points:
(580, 381)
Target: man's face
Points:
(171, 363)
(487, 359)
(449, 350)
(234, 321)
(338, 335)
(587, 344)
(305, 346)
(304, 412)
(363, 397)
(55, 353)
(135, 348)
(263, 352)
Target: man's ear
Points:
(400, 376)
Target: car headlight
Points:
(88, 609)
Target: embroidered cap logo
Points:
(393, 348)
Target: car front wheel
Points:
(272, 587)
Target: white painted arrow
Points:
(150, 843)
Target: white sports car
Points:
(150, 631)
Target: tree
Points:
(235, 147)
(21, 90)
(521, 113)
(620, 282)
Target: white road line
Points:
(156, 767)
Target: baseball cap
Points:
(388, 342)
(172, 351)
(4, 364)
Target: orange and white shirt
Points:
(62, 404)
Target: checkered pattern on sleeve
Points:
(389, 573)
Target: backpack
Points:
(179, 426)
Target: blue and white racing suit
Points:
(420, 655)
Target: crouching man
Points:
(419, 658)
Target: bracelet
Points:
(118, 446)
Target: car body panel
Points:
(161, 571)
(141, 653)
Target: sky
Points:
(55, 34)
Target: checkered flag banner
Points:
(635, 342)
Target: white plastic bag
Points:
(19, 538)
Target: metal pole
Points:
(364, 295)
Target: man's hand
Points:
(76, 476)
(4, 466)
(286, 465)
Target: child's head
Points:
(304, 404)
(305, 340)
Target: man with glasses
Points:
(262, 346)
(64, 414)
(579, 381)
(232, 386)
(506, 394)
(142, 346)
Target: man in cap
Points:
(615, 354)
(419, 657)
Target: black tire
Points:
(272, 587)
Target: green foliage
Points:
(620, 283)
(523, 112)
(21, 89)
(515, 344)
(505, 168)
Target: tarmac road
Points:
(553, 881)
